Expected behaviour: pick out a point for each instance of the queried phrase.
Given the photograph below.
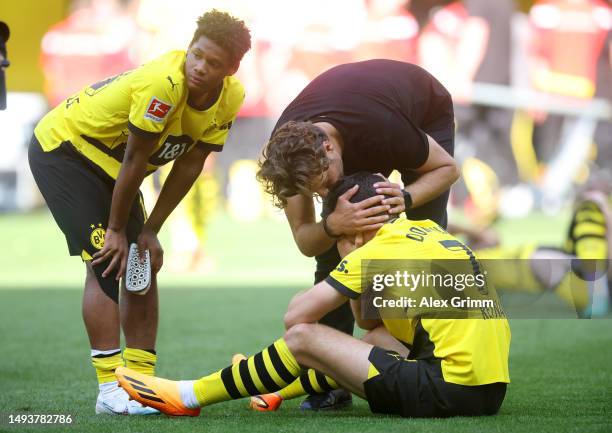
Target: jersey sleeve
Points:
(153, 100)
(214, 137)
(410, 149)
(346, 278)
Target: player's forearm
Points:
(361, 322)
(312, 240)
(126, 187)
(179, 182)
(309, 236)
(433, 183)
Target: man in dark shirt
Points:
(377, 116)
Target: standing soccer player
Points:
(377, 116)
(89, 156)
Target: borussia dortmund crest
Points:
(97, 236)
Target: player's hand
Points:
(115, 249)
(350, 218)
(147, 240)
(396, 201)
(485, 238)
(348, 244)
(345, 246)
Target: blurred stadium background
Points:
(532, 85)
(531, 81)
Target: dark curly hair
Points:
(228, 32)
(291, 159)
(365, 180)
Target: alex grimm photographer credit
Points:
(323, 216)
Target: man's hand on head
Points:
(349, 218)
(396, 201)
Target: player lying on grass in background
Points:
(413, 367)
(539, 268)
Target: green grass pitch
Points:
(561, 370)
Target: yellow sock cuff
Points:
(211, 389)
(268, 371)
(311, 383)
(105, 365)
(140, 360)
(287, 357)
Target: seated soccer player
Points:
(413, 366)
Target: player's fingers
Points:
(142, 247)
(397, 209)
(100, 257)
(159, 265)
(110, 266)
(350, 193)
(122, 268)
(372, 220)
(102, 252)
(370, 201)
(374, 210)
(157, 258)
(387, 184)
(389, 191)
(372, 227)
(393, 201)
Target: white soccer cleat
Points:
(117, 402)
(137, 274)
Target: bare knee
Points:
(371, 337)
(297, 338)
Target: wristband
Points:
(407, 199)
(327, 230)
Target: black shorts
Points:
(79, 197)
(412, 388)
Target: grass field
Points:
(561, 370)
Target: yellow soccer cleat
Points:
(266, 402)
(161, 394)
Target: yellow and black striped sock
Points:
(142, 361)
(588, 232)
(312, 382)
(268, 371)
(105, 362)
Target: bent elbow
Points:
(306, 251)
(304, 246)
(455, 172)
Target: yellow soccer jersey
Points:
(151, 101)
(472, 351)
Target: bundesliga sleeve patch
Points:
(158, 110)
